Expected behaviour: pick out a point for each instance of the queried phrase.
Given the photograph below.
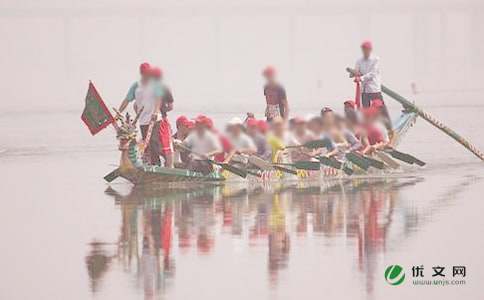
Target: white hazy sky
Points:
(212, 52)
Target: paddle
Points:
(348, 170)
(410, 159)
(387, 160)
(303, 165)
(335, 164)
(267, 166)
(232, 169)
(285, 170)
(373, 162)
(112, 175)
(330, 162)
(357, 160)
(226, 166)
(316, 144)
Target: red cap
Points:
(377, 103)
(262, 125)
(181, 120)
(350, 103)
(144, 68)
(190, 124)
(252, 122)
(269, 71)
(204, 120)
(155, 72)
(367, 45)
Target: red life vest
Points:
(227, 147)
(374, 135)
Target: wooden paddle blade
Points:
(330, 162)
(348, 170)
(414, 159)
(232, 169)
(237, 171)
(307, 165)
(388, 160)
(419, 162)
(260, 163)
(316, 144)
(373, 162)
(285, 170)
(401, 156)
(362, 163)
(112, 175)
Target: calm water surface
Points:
(68, 235)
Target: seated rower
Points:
(383, 116)
(351, 114)
(254, 131)
(278, 139)
(183, 128)
(242, 144)
(203, 144)
(300, 135)
(334, 137)
(374, 135)
(353, 143)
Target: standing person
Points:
(147, 102)
(368, 72)
(166, 142)
(276, 99)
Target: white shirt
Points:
(242, 142)
(145, 97)
(369, 69)
(204, 144)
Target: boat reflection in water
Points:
(159, 228)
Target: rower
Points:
(375, 136)
(278, 139)
(166, 105)
(147, 101)
(350, 112)
(263, 127)
(334, 137)
(276, 100)
(183, 128)
(203, 143)
(299, 136)
(242, 144)
(259, 138)
(383, 116)
(352, 142)
(368, 72)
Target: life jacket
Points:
(226, 146)
(374, 135)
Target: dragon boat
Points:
(134, 169)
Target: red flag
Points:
(95, 115)
(358, 93)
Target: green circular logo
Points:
(394, 275)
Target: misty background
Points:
(212, 52)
